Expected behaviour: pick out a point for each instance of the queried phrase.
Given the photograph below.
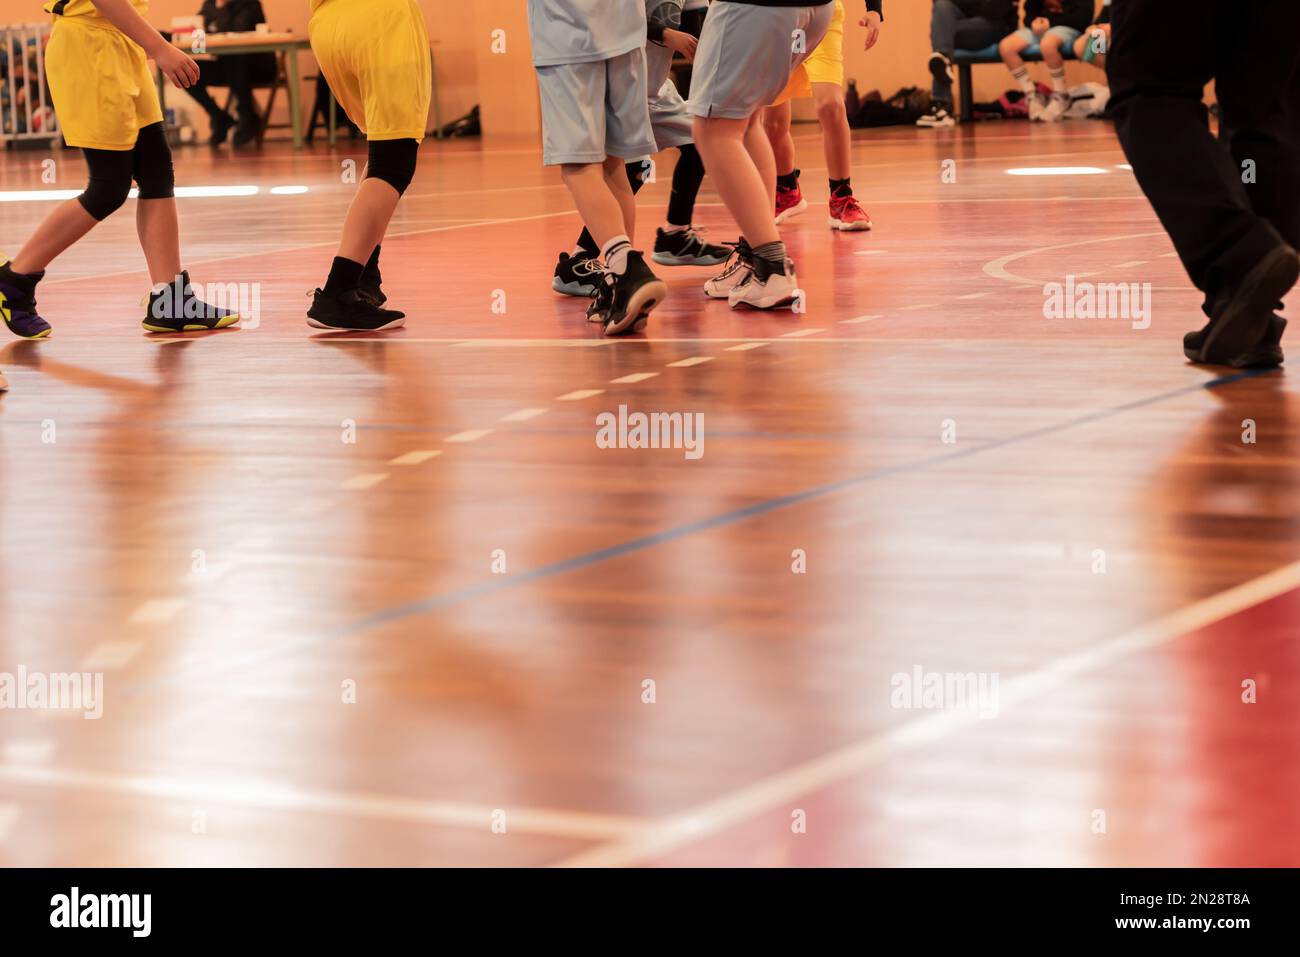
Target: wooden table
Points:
(229, 44)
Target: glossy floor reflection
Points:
(385, 600)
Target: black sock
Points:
(769, 258)
(788, 180)
(345, 276)
(371, 272)
(687, 178)
(841, 187)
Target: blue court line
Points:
(496, 585)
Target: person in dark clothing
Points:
(238, 72)
(961, 25)
(1054, 25)
(1231, 205)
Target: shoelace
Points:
(735, 261)
(588, 267)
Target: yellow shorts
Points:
(101, 85)
(375, 56)
(824, 65)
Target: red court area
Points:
(384, 599)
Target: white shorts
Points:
(594, 110)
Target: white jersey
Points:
(584, 31)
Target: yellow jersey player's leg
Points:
(375, 56)
(104, 96)
(820, 78)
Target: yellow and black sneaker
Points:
(177, 308)
(18, 304)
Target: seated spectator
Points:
(1092, 46)
(1055, 25)
(237, 71)
(961, 25)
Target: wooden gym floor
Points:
(1061, 504)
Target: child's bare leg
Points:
(837, 138)
(368, 218)
(740, 160)
(158, 227)
(599, 208)
(616, 178)
(1010, 50)
(60, 230)
(776, 123)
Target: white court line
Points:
(522, 415)
(919, 306)
(801, 333)
(578, 395)
(632, 378)
(469, 435)
(28, 751)
(157, 611)
(974, 295)
(861, 319)
(277, 796)
(997, 268)
(111, 655)
(8, 818)
(689, 361)
(780, 789)
(260, 253)
(872, 252)
(570, 343)
(416, 457)
(1131, 265)
(359, 483)
(746, 346)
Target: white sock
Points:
(1058, 82)
(1021, 75)
(615, 253)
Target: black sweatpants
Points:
(1163, 53)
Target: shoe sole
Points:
(792, 211)
(668, 259)
(1245, 319)
(393, 324)
(942, 125)
(39, 335)
(775, 304)
(225, 323)
(639, 308)
(575, 289)
(843, 227)
(939, 69)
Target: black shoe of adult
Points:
(1266, 355)
(1242, 323)
(222, 124)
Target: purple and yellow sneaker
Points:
(18, 304)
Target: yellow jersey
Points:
(84, 8)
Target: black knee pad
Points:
(110, 182)
(393, 161)
(153, 169)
